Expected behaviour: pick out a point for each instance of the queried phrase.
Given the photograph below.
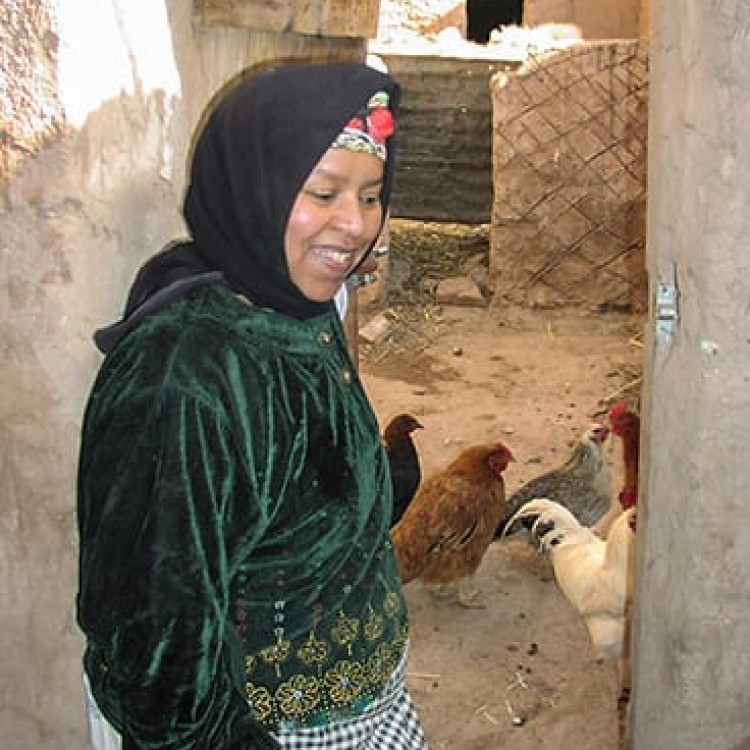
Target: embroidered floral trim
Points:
(374, 626)
(298, 696)
(314, 651)
(345, 631)
(339, 693)
(276, 655)
(314, 684)
(345, 682)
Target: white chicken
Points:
(595, 575)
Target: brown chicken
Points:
(449, 524)
(403, 460)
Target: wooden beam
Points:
(344, 18)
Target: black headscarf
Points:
(254, 154)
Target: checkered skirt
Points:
(389, 723)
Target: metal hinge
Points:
(666, 311)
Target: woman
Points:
(237, 584)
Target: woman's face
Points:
(334, 220)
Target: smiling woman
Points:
(238, 588)
(338, 214)
(334, 221)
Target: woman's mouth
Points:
(339, 261)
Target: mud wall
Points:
(569, 172)
(444, 167)
(614, 19)
(94, 133)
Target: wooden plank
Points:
(270, 15)
(344, 18)
(338, 17)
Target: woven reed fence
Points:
(569, 177)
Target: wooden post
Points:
(644, 24)
(351, 322)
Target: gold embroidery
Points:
(261, 700)
(276, 655)
(345, 682)
(298, 696)
(401, 637)
(382, 664)
(392, 605)
(314, 651)
(340, 687)
(374, 626)
(345, 631)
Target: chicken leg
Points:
(463, 589)
(468, 594)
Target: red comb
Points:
(618, 410)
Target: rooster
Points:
(403, 459)
(449, 524)
(595, 575)
(582, 484)
(625, 424)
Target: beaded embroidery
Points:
(320, 690)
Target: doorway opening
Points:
(484, 15)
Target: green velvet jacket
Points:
(236, 573)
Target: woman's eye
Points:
(322, 195)
(371, 200)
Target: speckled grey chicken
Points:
(582, 484)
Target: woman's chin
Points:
(322, 292)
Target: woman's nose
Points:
(349, 216)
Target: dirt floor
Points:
(518, 674)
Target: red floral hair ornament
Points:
(368, 131)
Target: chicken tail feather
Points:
(527, 515)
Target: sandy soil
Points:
(471, 375)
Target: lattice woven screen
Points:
(569, 179)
